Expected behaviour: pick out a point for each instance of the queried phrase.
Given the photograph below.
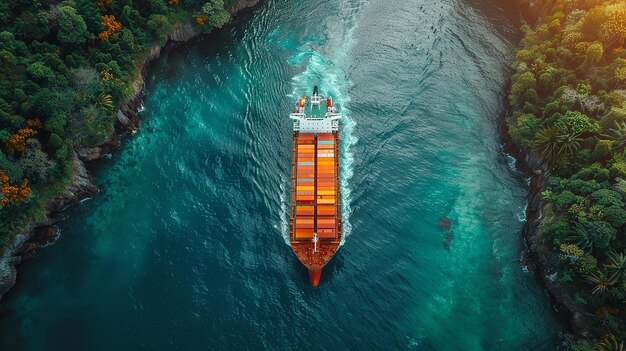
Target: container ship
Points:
(315, 209)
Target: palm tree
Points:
(610, 343)
(601, 282)
(617, 264)
(546, 143)
(581, 237)
(618, 135)
(552, 142)
(103, 101)
(570, 142)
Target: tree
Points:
(613, 28)
(72, 27)
(601, 282)
(577, 123)
(616, 264)
(610, 343)
(582, 262)
(615, 215)
(593, 234)
(54, 142)
(213, 14)
(607, 197)
(56, 123)
(594, 53)
(35, 162)
(620, 69)
(17, 140)
(111, 26)
(10, 167)
(90, 12)
(546, 142)
(38, 72)
(103, 101)
(12, 193)
(565, 199)
(31, 25)
(554, 142)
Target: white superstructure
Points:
(315, 121)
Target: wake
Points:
(327, 73)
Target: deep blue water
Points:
(186, 246)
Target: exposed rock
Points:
(40, 237)
(243, 6)
(182, 32)
(8, 261)
(539, 256)
(89, 153)
(8, 272)
(80, 187)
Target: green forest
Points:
(568, 98)
(65, 67)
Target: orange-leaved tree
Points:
(11, 193)
(103, 4)
(111, 26)
(17, 140)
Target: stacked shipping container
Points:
(305, 186)
(315, 186)
(326, 226)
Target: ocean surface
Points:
(186, 246)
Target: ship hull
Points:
(315, 211)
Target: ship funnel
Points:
(315, 90)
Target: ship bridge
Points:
(313, 118)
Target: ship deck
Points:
(315, 198)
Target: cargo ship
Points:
(315, 208)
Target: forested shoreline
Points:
(568, 100)
(66, 67)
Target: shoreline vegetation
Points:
(66, 65)
(568, 128)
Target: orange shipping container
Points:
(304, 233)
(305, 211)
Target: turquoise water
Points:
(185, 248)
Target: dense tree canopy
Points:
(64, 67)
(569, 106)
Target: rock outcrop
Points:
(81, 187)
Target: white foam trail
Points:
(284, 212)
(329, 75)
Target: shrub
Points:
(615, 215)
(593, 172)
(583, 187)
(565, 199)
(582, 262)
(528, 125)
(607, 197)
(577, 122)
(556, 231)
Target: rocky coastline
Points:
(542, 261)
(44, 232)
